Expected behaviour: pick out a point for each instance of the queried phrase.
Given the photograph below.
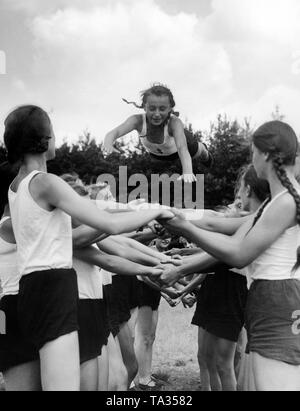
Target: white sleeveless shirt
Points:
(166, 148)
(9, 274)
(44, 238)
(277, 262)
(89, 278)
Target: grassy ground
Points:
(175, 351)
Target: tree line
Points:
(228, 142)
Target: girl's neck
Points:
(33, 162)
(276, 186)
(254, 204)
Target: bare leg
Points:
(103, 370)
(60, 368)
(204, 374)
(127, 350)
(210, 350)
(25, 377)
(118, 377)
(272, 375)
(89, 375)
(145, 336)
(225, 363)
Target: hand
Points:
(176, 224)
(154, 271)
(172, 303)
(169, 276)
(108, 149)
(176, 260)
(135, 204)
(171, 292)
(187, 178)
(188, 301)
(166, 215)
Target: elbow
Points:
(114, 228)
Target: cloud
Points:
(242, 58)
(96, 57)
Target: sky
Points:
(78, 58)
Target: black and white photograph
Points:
(149, 198)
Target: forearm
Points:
(111, 246)
(83, 236)
(194, 284)
(222, 247)
(143, 248)
(186, 161)
(111, 263)
(196, 263)
(132, 220)
(221, 225)
(110, 138)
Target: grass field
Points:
(175, 351)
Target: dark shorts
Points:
(221, 303)
(112, 320)
(48, 305)
(93, 328)
(14, 349)
(193, 147)
(148, 297)
(273, 320)
(122, 297)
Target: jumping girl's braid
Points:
(157, 89)
(260, 211)
(281, 174)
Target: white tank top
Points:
(106, 277)
(168, 146)
(44, 238)
(277, 262)
(9, 274)
(89, 280)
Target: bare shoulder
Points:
(44, 183)
(137, 121)
(283, 208)
(6, 232)
(175, 122)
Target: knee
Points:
(225, 366)
(148, 340)
(210, 360)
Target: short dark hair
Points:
(27, 130)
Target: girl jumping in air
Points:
(161, 132)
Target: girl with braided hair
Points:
(269, 246)
(161, 132)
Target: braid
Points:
(260, 211)
(283, 178)
(132, 102)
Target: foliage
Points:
(227, 141)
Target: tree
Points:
(229, 144)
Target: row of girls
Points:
(47, 343)
(266, 245)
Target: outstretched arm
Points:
(114, 264)
(248, 243)
(53, 191)
(183, 152)
(132, 123)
